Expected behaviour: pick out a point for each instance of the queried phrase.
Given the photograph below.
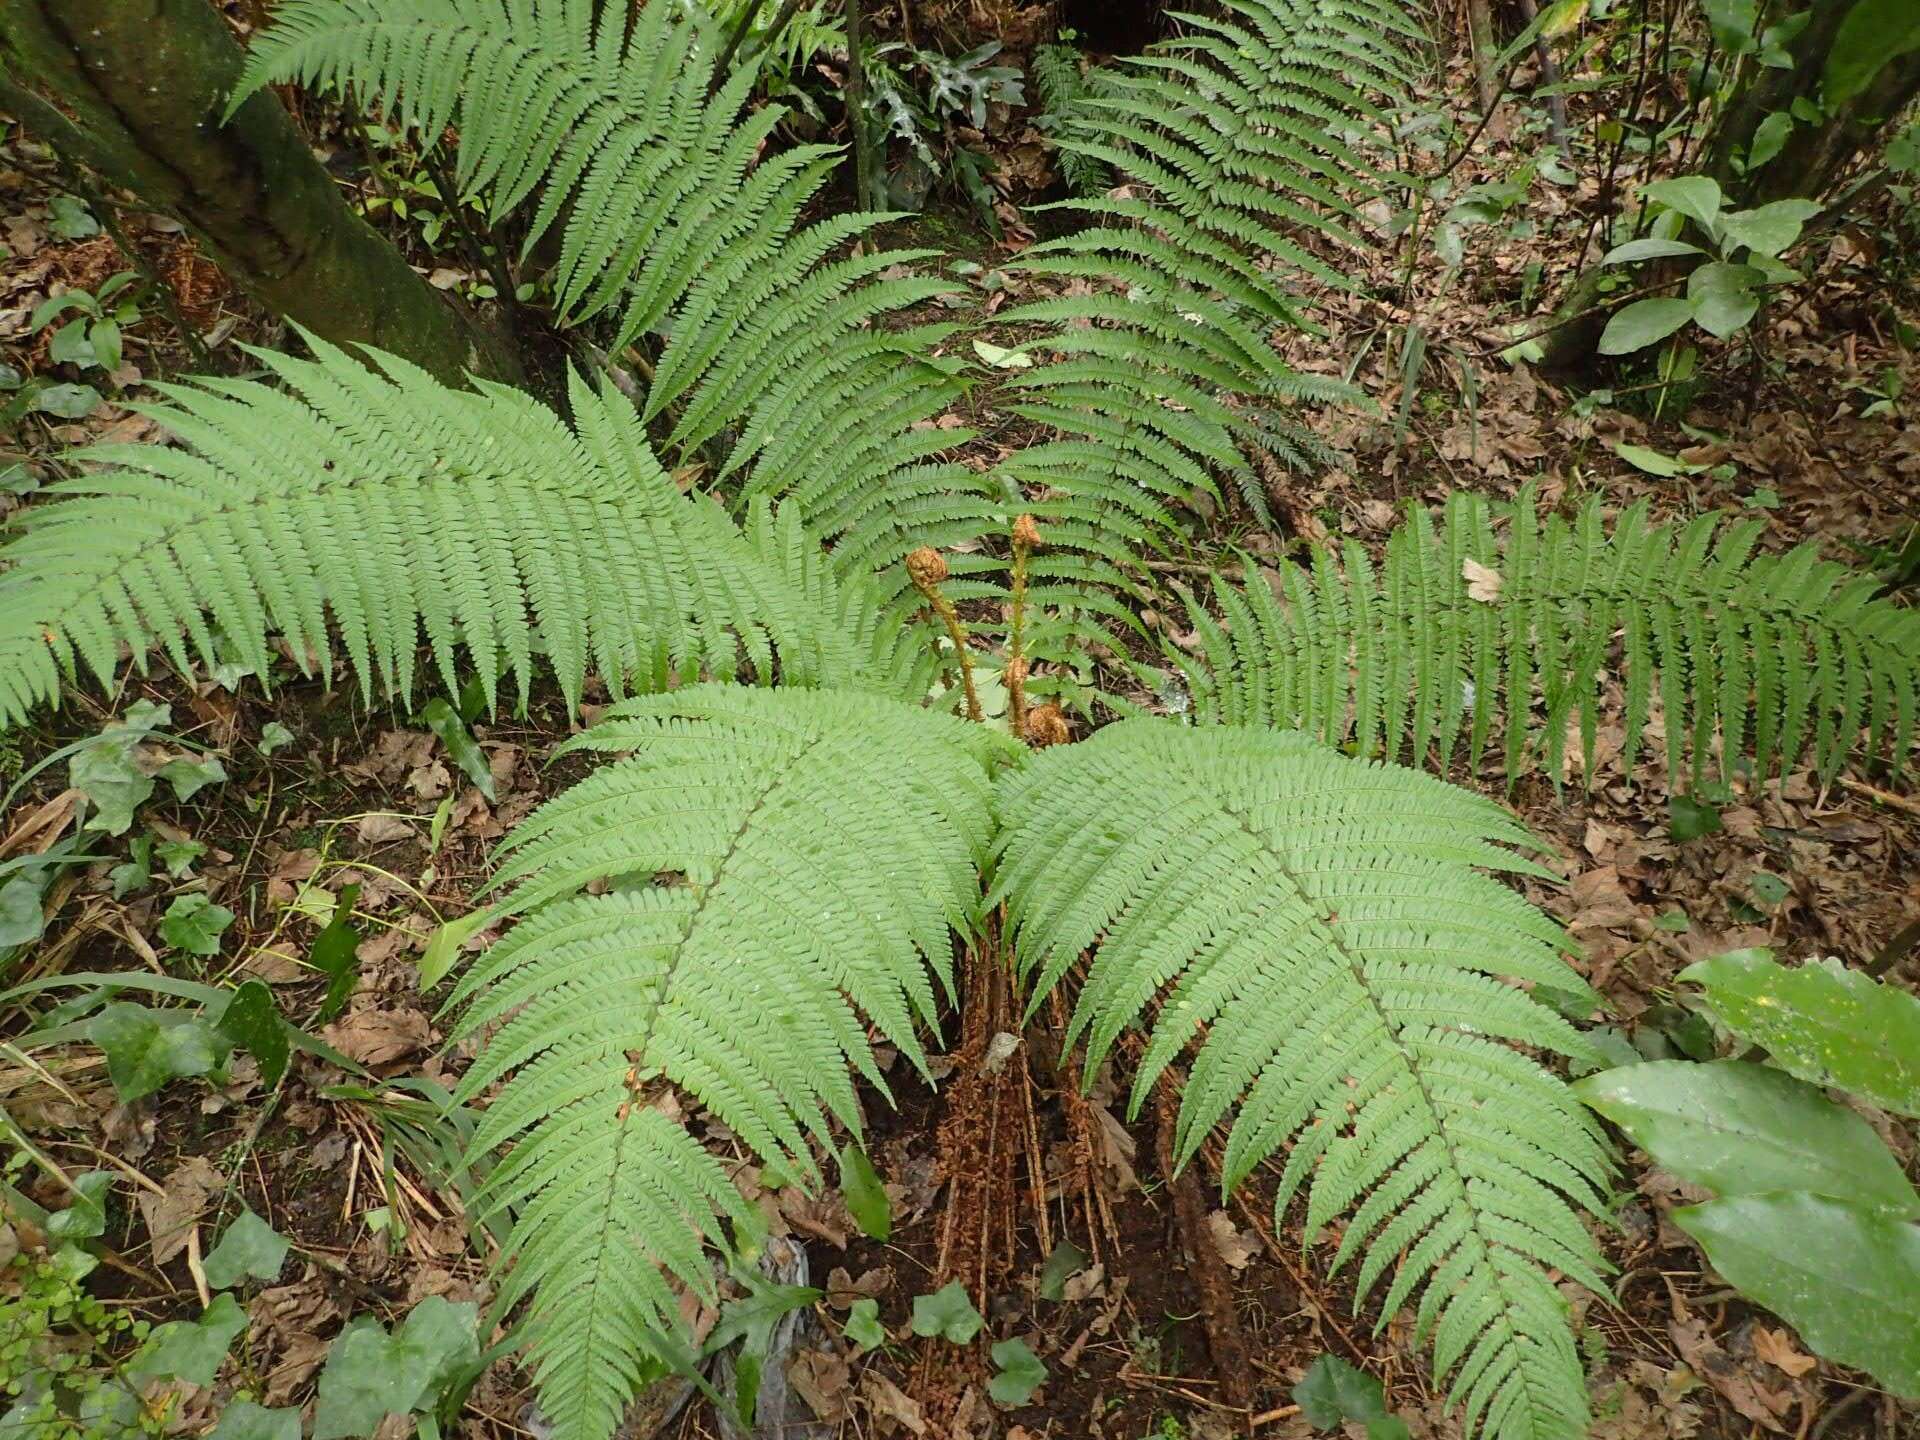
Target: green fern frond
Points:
(742, 942)
(1755, 654)
(391, 509)
(1320, 929)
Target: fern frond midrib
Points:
(609, 1210)
(1438, 1128)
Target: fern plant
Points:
(1316, 937)
(1458, 630)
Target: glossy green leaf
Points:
(1769, 139)
(1017, 1373)
(193, 923)
(1769, 229)
(1823, 1022)
(866, 1197)
(1651, 248)
(1741, 1129)
(189, 777)
(1724, 297)
(107, 770)
(444, 948)
(191, 1349)
(948, 1313)
(1846, 1278)
(1695, 196)
(250, 1249)
(1643, 323)
(371, 1374)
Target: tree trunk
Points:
(134, 90)
(1815, 155)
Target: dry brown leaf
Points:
(1234, 1248)
(1774, 1347)
(821, 1380)
(376, 1037)
(379, 829)
(892, 1408)
(843, 1290)
(170, 1216)
(1482, 584)
(1737, 1386)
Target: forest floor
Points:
(1082, 1253)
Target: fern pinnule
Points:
(1320, 930)
(741, 941)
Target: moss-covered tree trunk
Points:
(134, 90)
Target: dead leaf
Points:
(1117, 1150)
(375, 1037)
(1776, 1349)
(823, 1217)
(1737, 1387)
(843, 1290)
(820, 1379)
(171, 1214)
(1482, 584)
(892, 1409)
(1234, 1248)
(379, 829)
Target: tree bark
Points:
(134, 90)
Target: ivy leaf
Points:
(863, 1325)
(371, 1374)
(1690, 818)
(948, 1313)
(866, 1197)
(251, 1021)
(1333, 1392)
(250, 1248)
(191, 1349)
(193, 923)
(137, 872)
(145, 1048)
(178, 855)
(1066, 1261)
(68, 402)
(1847, 1279)
(190, 777)
(273, 736)
(1643, 323)
(23, 917)
(1741, 1129)
(85, 1217)
(244, 1420)
(1017, 1373)
(108, 773)
(445, 722)
(1822, 1022)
